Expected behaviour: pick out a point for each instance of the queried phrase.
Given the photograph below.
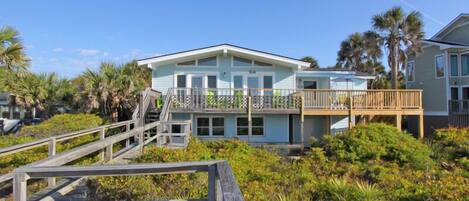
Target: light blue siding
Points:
(163, 77)
(275, 128)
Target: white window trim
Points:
(210, 127)
(197, 62)
(407, 71)
(458, 56)
(444, 66)
(249, 126)
(246, 74)
(460, 64)
(189, 75)
(252, 63)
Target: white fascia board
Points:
(224, 49)
(444, 46)
(341, 74)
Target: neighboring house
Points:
(229, 91)
(8, 108)
(442, 72)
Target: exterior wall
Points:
(459, 35)
(434, 89)
(431, 123)
(163, 77)
(313, 126)
(276, 127)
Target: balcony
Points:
(296, 101)
(458, 106)
(223, 100)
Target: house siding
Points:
(163, 76)
(276, 128)
(459, 35)
(434, 90)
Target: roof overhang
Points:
(455, 23)
(223, 49)
(444, 45)
(337, 74)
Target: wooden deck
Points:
(323, 102)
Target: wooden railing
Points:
(165, 137)
(52, 141)
(458, 106)
(363, 99)
(234, 99)
(290, 99)
(146, 98)
(222, 184)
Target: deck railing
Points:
(233, 99)
(363, 99)
(193, 99)
(458, 106)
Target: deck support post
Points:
(249, 106)
(399, 122)
(20, 182)
(302, 120)
(351, 117)
(421, 126)
(52, 150)
(328, 125)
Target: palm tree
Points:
(12, 54)
(361, 52)
(113, 90)
(314, 63)
(30, 92)
(402, 35)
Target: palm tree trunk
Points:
(395, 66)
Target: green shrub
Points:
(378, 142)
(61, 124)
(340, 190)
(451, 143)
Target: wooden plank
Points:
(230, 189)
(114, 170)
(20, 186)
(212, 171)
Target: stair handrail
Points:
(167, 102)
(147, 95)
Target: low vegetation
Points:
(58, 124)
(371, 162)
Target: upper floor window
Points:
(242, 62)
(439, 66)
(238, 61)
(465, 64)
(187, 63)
(209, 61)
(410, 71)
(454, 65)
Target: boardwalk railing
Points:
(458, 106)
(222, 184)
(363, 99)
(52, 141)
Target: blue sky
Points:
(68, 37)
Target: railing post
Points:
(102, 135)
(212, 184)
(141, 140)
(350, 116)
(127, 129)
(108, 153)
(51, 152)
(20, 184)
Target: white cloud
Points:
(93, 52)
(57, 49)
